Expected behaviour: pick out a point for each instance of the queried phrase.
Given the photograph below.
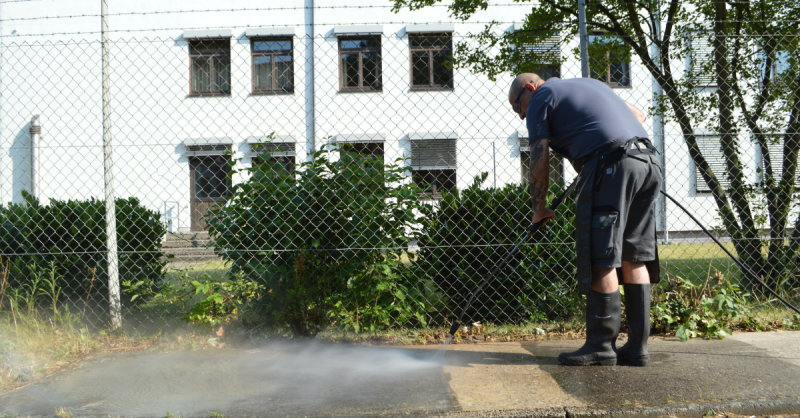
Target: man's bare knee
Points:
(635, 272)
(604, 279)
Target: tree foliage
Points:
(747, 38)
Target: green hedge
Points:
(72, 234)
(326, 242)
(469, 231)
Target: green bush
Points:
(312, 237)
(71, 236)
(201, 300)
(709, 310)
(470, 231)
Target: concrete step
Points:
(188, 247)
(183, 240)
(189, 259)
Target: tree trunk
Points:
(747, 243)
(778, 260)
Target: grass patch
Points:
(36, 344)
(697, 261)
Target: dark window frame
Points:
(431, 50)
(365, 149)
(607, 78)
(255, 54)
(212, 56)
(286, 154)
(435, 187)
(218, 163)
(361, 52)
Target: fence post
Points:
(115, 311)
(658, 128)
(584, 38)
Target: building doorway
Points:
(210, 185)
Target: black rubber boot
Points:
(602, 328)
(637, 309)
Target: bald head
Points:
(519, 83)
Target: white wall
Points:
(52, 67)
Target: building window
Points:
(360, 64)
(779, 65)
(210, 186)
(542, 56)
(433, 164)
(430, 61)
(709, 146)
(434, 182)
(700, 68)
(609, 60)
(775, 147)
(556, 166)
(281, 153)
(368, 150)
(211, 67)
(273, 65)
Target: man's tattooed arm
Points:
(539, 178)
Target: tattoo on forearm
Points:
(539, 174)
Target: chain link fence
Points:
(357, 180)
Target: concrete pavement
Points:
(755, 373)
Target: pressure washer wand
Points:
(535, 227)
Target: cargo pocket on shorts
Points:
(603, 235)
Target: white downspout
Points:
(309, 80)
(36, 131)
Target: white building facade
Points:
(192, 80)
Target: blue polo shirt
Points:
(580, 115)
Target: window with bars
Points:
(775, 147)
(434, 164)
(360, 63)
(210, 70)
(282, 153)
(210, 177)
(709, 146)
(430, 61)
(701, 61)
(273, 65)
(609, 60)
(546, 53)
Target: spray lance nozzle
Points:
(454, 328)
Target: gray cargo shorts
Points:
(623, 211)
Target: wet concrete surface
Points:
(693, 371)
(325, 380)
(287, 379)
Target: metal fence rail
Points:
(357, 171)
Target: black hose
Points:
(535, 227)
(746, 270)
